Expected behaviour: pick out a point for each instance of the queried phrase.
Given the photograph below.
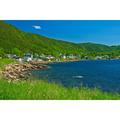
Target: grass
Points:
(43, 90)
(5, 61)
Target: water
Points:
(103, 74)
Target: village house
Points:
(50, 57)
(106, 57)
(20, 60)
(43, 57)
(71, 56)
(11, 56)
(28, 57)
(64, 56)
(57, 59)
(98, 57)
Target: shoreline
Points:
(39, 89)
(21, 71)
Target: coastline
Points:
(21, 71)
(27, 89)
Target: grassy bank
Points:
(42, 90)
(5, 61)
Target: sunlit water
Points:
(103, 74)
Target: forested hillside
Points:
(14, 40)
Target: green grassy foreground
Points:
(43, 90)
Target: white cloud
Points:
(37, 27)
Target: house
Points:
(15, 57)
(12, 56)
(43, 58)
(64, 56)
(98, 57)
(71, 56)
(28, 57)
(106, 57)
(39, 60)
(50, 57)
(57, 60)
(20, 60)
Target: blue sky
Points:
(97, 31)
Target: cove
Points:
(102, 74)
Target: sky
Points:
(77, 31)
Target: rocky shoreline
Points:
(21, 71)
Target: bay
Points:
(102, 74)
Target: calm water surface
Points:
(103, 74)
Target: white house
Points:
(64, 56)
(28, 57)
(50, 57)
(20, 60)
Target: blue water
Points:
(103, 74)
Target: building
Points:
(28, 57)
(50, 57)
(64, 56)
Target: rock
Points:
(19, 71)
(21, 75)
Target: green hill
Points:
(92, 47)
(12, 39)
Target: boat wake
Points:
(78, 77)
